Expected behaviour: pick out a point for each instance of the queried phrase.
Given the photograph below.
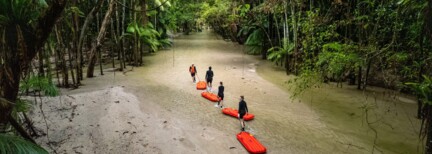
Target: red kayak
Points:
(251, 144)
(201, 85)
(234, 113)
(210, 96)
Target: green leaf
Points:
(168, 4)
(3, 20)
(131, 28)
(335, 46)
(14, 144)
(256, 38)
(157, 2)
(76, 10)
(42, 3)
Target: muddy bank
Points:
(358, 114)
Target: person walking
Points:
(242, 110)
(209, 78)
(221, 90)
(192, 70)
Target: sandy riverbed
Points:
(156, 108)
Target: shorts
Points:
(240, 115)
(209, 80)
(221, 96)
(193, 74)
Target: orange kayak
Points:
(210, 96)
(234, 113)
(201, 85)
(251, 144)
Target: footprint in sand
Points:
(187, 143)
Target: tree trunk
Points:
(118, 27)
(420, 78)
(359, 78)
(428, 128)
(61, 56)
(99, 40)
(56, 63)
(113, 49)
(87, 21)
(427, 27)
(75, 53)
(41, 63)
(71, 67)
(287, 36)
(367, 74)
(123, 27)
(295, 33)
(21, 52)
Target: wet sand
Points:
(156, 108)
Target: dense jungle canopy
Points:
(48, 45)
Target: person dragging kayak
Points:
(192, 70)
(220, 95)
(242, 110)
(209, 78)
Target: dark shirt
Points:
(209, 74)
(242, 107)
(221, 90)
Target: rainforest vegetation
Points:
(51, 44)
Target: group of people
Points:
(242, 109)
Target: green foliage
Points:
(244, 9)
(75, 10)
(423, 89)
(21, 12)
(337, 59)
(277, 54)
(22, 105)
(165, 42)
(39, 83)
(254, 43)
(13, 144)
(219, 14)
(148, 35)
(307, 79)
(245, 30)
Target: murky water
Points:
(327, 120)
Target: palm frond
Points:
(254, 42)
(165, 42)
(15, 144)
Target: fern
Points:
(39, 84)
(13, 144)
